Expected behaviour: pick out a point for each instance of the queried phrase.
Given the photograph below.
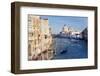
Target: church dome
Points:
(65, 28)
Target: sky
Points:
(57, 22)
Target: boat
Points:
(63, 51)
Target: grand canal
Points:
(70, 48)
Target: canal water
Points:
(66, 48)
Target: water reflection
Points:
(70, 48)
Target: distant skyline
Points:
(57, 22)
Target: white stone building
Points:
(39, 39)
